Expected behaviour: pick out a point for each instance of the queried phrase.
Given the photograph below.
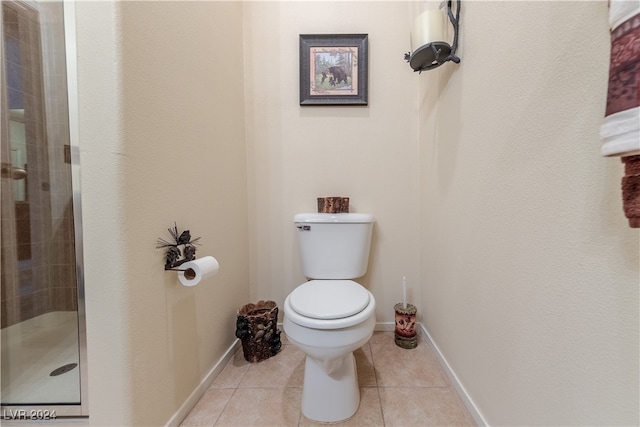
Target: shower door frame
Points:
(74, 141)
(37, 411)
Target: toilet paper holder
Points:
(174, 256)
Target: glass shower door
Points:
(41, 276)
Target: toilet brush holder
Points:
(405, 332)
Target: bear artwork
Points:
(339, 75)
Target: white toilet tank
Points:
(334, 246)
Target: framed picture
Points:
(334, 69)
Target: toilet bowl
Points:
(328, 320)
(330, 316)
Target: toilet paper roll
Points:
(194, 271)
(428, 27)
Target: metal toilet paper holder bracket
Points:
(174, 256)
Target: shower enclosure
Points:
(42, 300)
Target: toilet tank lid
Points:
(333, 217)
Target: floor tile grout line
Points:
(446, 387)
(375, 376)
(267, 386)
(373, 364)
(224, 407)
(381, 406)
(235, 389)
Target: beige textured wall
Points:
(296, 154)
(162, 140)
(529, 270)
(485, 180)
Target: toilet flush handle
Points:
(304, 227)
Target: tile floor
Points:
(398, 387)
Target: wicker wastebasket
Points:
(256, 327)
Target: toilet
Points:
(329, 316)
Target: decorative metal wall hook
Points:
(434, 53)
(172, 258)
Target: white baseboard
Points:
(385, 327)
(197, 393)
(462, 392)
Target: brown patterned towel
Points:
(631, 190)
(620, 130)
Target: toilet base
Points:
(330, 397)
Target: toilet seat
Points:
(359, 317)
(329, 299)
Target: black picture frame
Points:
(334, 69)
